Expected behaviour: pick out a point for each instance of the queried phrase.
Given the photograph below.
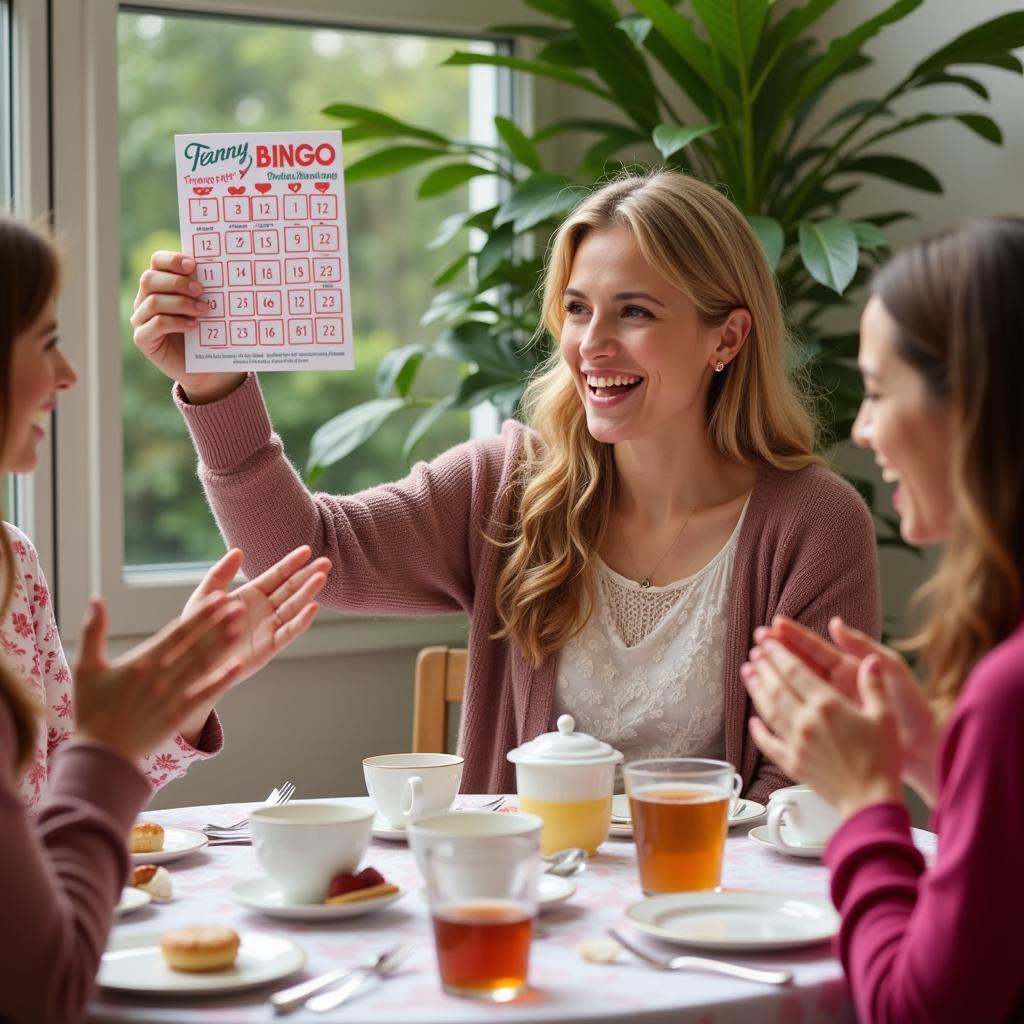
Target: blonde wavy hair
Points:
(958, 305)
(701, 244)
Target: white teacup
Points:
(475, 833)
(810, 819)
(302, 846)
(406, 787)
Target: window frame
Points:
(87, 514)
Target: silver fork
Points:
(700, 963)
(291, 998)
(277, 798)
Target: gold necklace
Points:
(645, 581)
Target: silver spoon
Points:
(566, 862)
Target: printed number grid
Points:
(268, 284)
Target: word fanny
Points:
(301, 155)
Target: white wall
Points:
(312, 720)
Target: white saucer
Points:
(796, 849)
(736, 920)
(132, 899)
(177, 843)
(553, 889)
(133, 963)
(746, 811)
(383, 829)
(263, 895)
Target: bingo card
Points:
(264, 216)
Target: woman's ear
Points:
(731, 336)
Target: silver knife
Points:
(289, 999)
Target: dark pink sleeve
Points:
(942, 945)
(60, 877)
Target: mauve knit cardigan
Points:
(417, 547)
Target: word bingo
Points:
(263, 214)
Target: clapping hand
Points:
(136, 703)
(917, 724)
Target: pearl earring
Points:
(719, 366)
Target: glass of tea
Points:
(680, 811)
(483, 901)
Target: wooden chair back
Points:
(440, 682)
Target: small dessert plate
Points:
(552, 889)
(177, 843)
(736, 920)
(132, 899)
(383, 829)
(263, 895)
(134, 963)
(744, 812)
(795, 849)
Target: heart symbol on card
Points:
(294, 186)
(202, 191)
(322, 186)
(263, 187)
(236, 190)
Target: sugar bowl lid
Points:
(565, 746)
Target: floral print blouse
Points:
(30, 647)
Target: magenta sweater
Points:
(60, 876)
(943, 946)
(417, 547)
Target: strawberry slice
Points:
(345, 881)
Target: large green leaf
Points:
(941, 78)
(422, 426)
(444, 179)
(455, 222)
(895, 168)
(396, 370)
(780, 35)
(533, 67)
(518, 144)
(387, 161)
(869, 236)
(678, 32)
(616, 60)
(828, 249)
(497, 247)
(383, 122)
(564, 50)
(473, 342)
(978, 123)
(670, 138)
(734, 27)
(842, 49)
(771, 236)
(449, 273)
(538, 198)
(978, 45)
(346, 432)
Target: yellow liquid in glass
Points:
(568, 823)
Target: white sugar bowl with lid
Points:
(567, 778)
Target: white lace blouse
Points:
(645, 675)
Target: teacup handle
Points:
(776, 809)
(412, 798)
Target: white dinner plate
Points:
(134, 963)
(746, 811)
(795, 849)
(736, 920)
(132, 899)
(263, 895)
(177, 843)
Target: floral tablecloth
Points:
(565, 987)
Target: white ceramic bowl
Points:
(303, 845)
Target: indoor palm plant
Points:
(755, 74)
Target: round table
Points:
(565, 987)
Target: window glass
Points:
(188, 73)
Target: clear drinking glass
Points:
(680, 812)
(483, 901)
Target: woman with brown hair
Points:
(615, 554)
(61, 873)
(943, 362)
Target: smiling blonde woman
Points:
(613, 556)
